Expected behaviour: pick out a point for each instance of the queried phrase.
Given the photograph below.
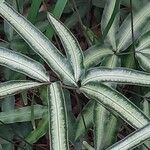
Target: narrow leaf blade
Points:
(71, 46)
(58, 128)
(107, 14)
(94, 55)
(118, 75)
(38, 42)
(124, 34)
(23, 64)
(22, 114)
(113, 100)
(131, 141)
(13, 87)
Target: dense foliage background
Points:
(23, 123)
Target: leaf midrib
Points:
(113, 78)
(115, 103)
(28, 67)
(57, 118)
(61, 68)
(18, 86)
(76, 60)
(127, 33)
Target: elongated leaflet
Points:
(94, 55)
(39, 43)
(22, 114)
(58, 128)
(71, 46)
(118, 75)
(115, 101)
(16, 86)
(23, 64)
(131, 141)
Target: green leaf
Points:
(100, 119)
(39, 43)
(87, 146)
(139, 20)
(23, 64)
(71, 46)
(94, 55)
(143, 52)
(118, 75)
(106, 125)
(133, 140)
(22, 114)
(111, 61)
(115, 101)
(13, 87)
(143, 58)
(57, 12)
(40, 131)
(58, 128)
(32, 14)
(110, 17)
(85, 116)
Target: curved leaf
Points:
(133, 140)
(58, 128)
(23, 64)
(70, 44)
(22, 114)
(143, 58)
(94, 55)
(13, 87)
(87, 146)
(118, 75)
(115, 101)
(143, 42)
(40, 131)
(38, 42)
(139, 20)
(85, 115)
(107, 15)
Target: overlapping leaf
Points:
(107, 15)
(71, 45)
(115, 101)
(139, 20)
(95, 54)
(38, 42)
(22, 114)
(135, 139)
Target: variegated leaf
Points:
(85, 116)
(13, 87)
(116, 102)
(71, 46)
(58, 128)
(107, 14)
(23, 64)
(118, 75)
(133, 140)
(22, 114)
(139, 20)
(38, 42)
(95, 54)
(143, 58)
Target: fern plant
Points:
(76, 71)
